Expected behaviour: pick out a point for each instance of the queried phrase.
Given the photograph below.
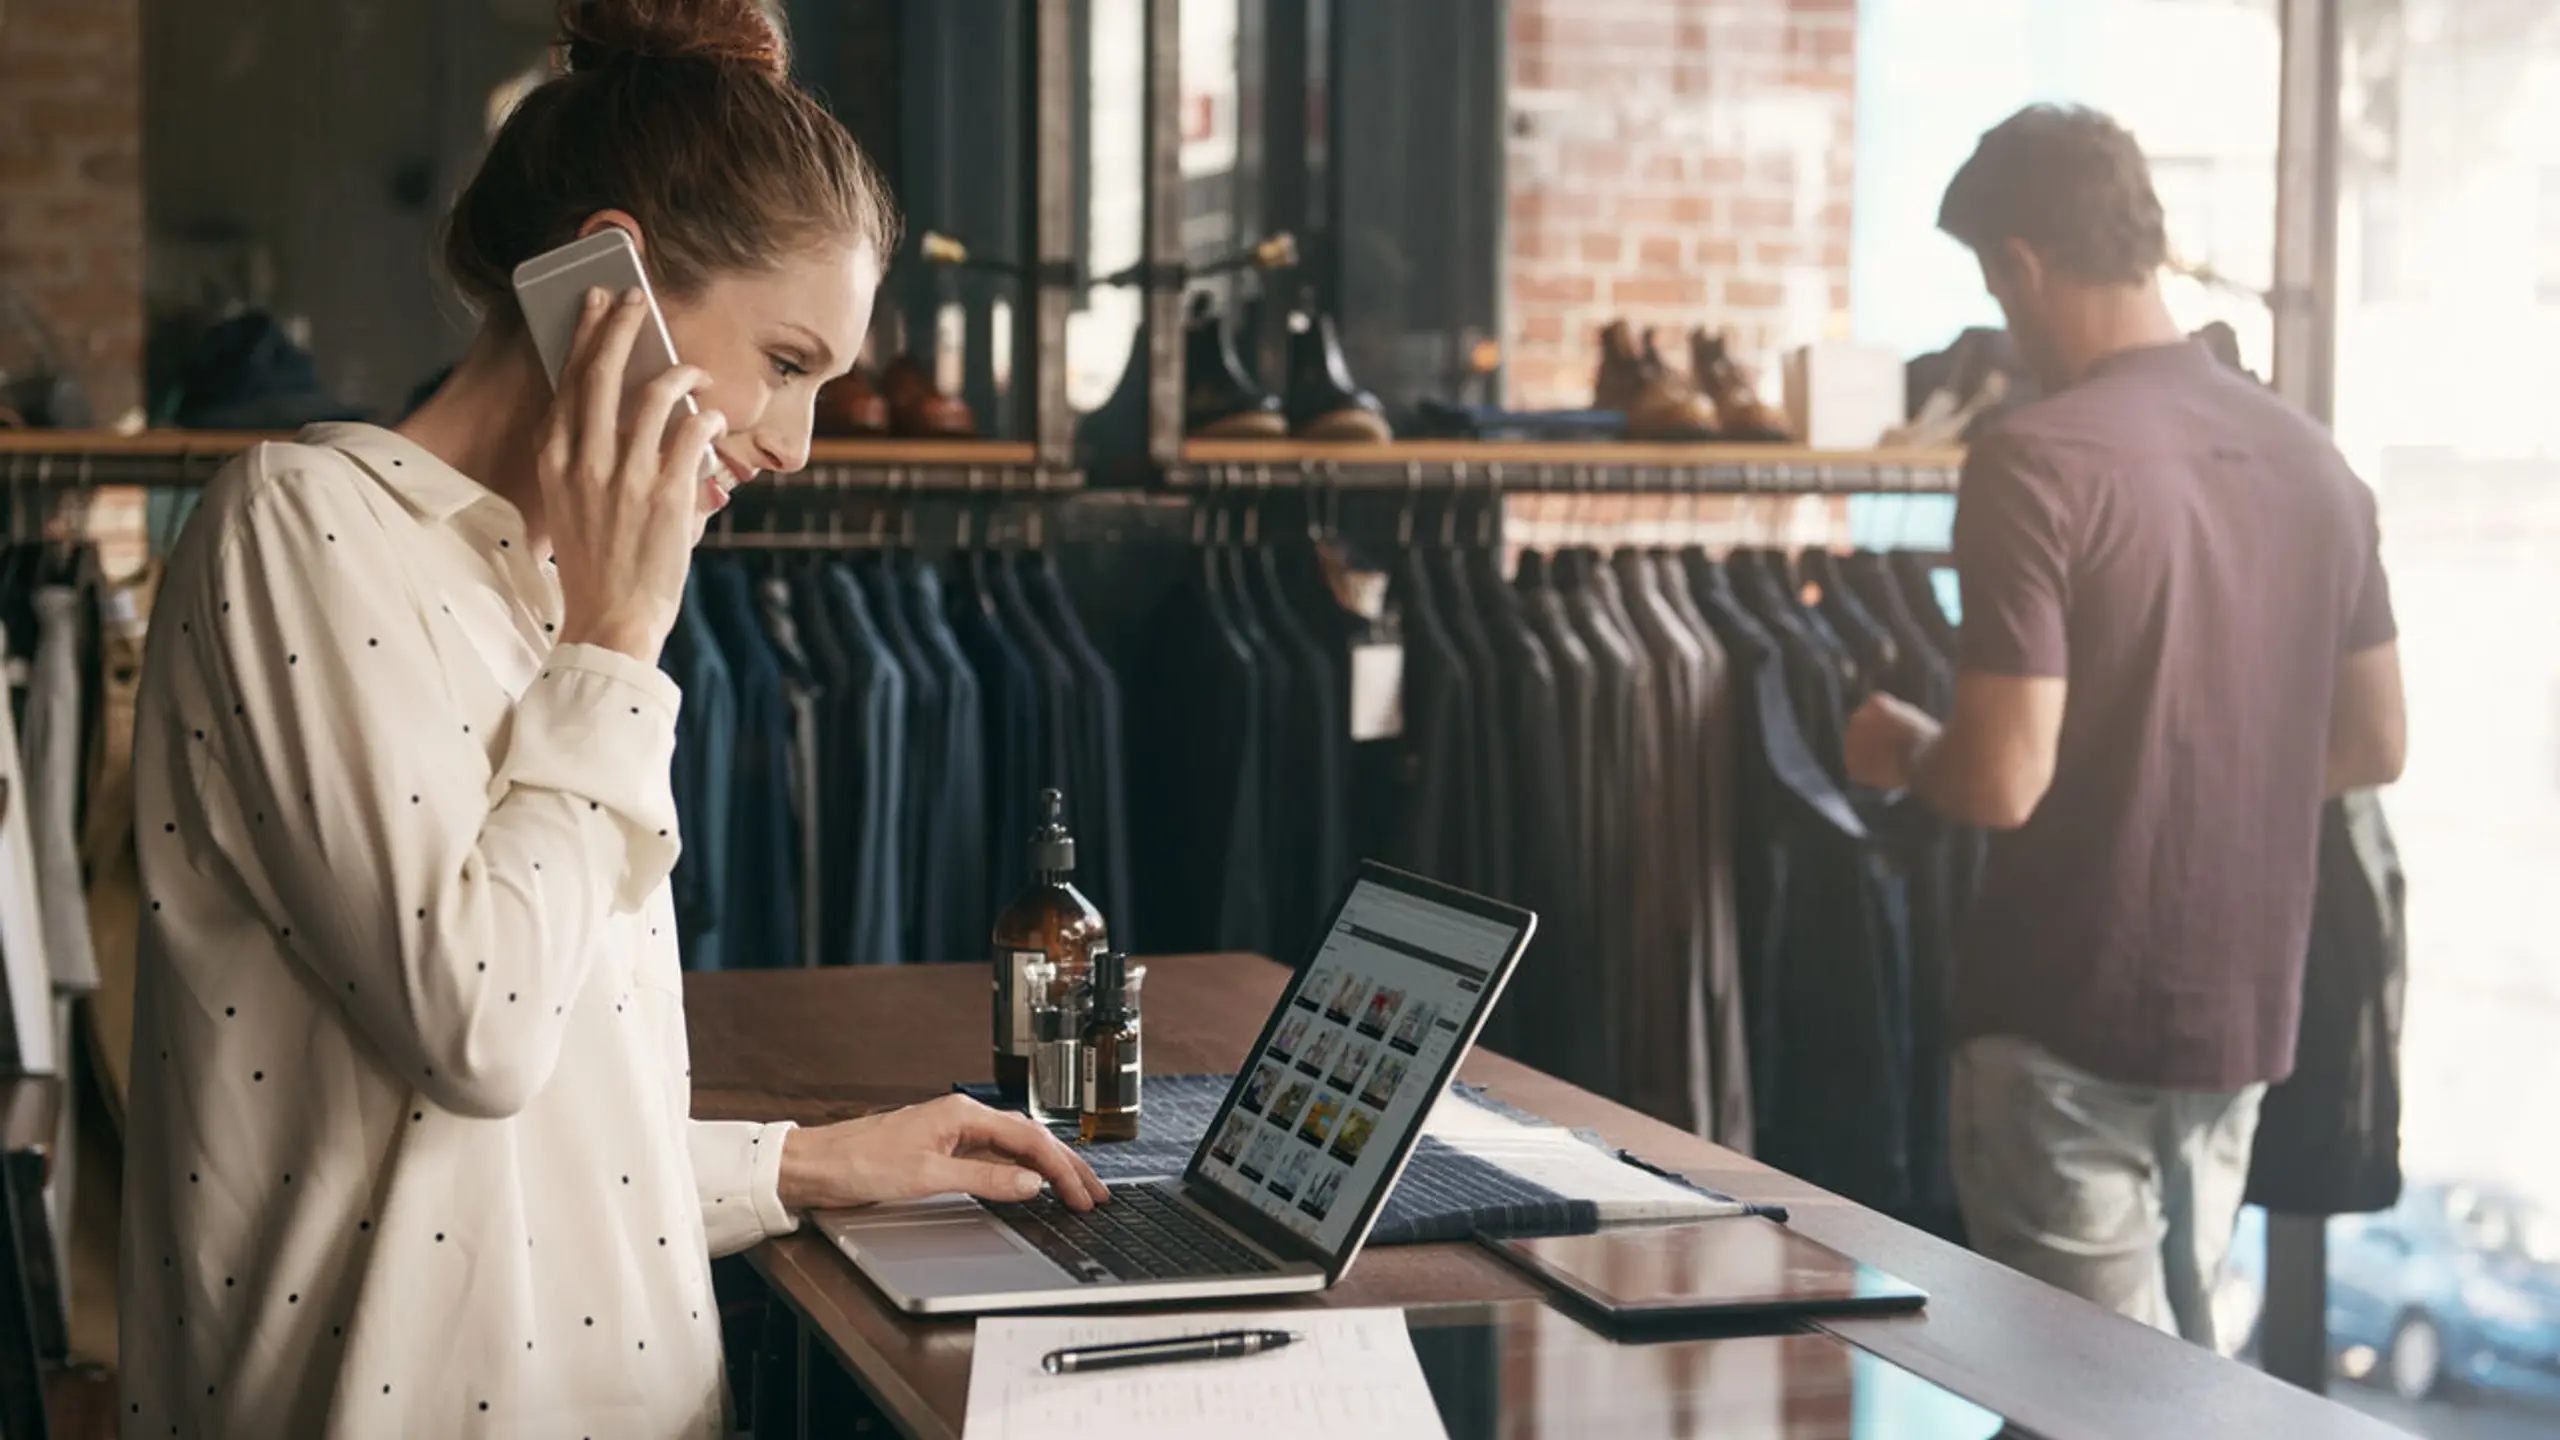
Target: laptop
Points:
(1297, 1162)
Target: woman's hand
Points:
(621, 495)
(953, 1143)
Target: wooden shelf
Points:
(833, 451)
(175, 458)
(231, 442)
(101, 443)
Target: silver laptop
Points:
(1297, 1162)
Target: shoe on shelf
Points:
(918, 409)
(1633, 381)
(1946, 418)
(1220, 401)
(1740, 412)
(852, 405)
(1324, 402)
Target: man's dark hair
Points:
(2072, 184)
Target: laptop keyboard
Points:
(1145, 1233)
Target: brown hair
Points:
(2073, 185)
(681, 113)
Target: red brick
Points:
(31, 168)
(1660, 252)
(113, 167)
(1645, 210)
(1665, 290)
(1823, 82)
(1602, 247)
(1544, 329)
(1839, 44)
(1715, 251)
(1552, 289)
(1594, 161)
(1754, 212)
(1754, 295)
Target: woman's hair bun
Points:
(598, 33)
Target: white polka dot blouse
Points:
(410, 1148)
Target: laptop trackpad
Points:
(952, 1256)
(912, 1244)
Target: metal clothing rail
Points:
(1583, 469)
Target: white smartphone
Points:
(551, 289)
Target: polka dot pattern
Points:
(302, 1108)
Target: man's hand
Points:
(944, 1145)
(1885, 742)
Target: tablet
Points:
(1741, 1268)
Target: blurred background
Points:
(1473, 189)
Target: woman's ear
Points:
(617, 220)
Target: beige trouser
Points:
(2125, 1195)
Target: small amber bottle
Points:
(1110, 1046)
(1051, 921)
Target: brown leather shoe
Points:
(919, 411)
(1634, 382)
(1740, 412)
(851, 404)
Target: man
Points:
(2177, 639)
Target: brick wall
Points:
(71, 182)
(1675, 163)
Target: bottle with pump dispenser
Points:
(1052, 921)
(1110, 1052)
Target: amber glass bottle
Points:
(1112, 1063)
(1051, 921)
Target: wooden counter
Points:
(822, 1045)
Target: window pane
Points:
(2448, 351)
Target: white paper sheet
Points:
(1562, 1161)
(1354, 1376)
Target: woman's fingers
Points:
(1030, 1143)
(582, 345)
(648, 450)
(986, 1179)
(599, 394)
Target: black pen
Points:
(1222, 1346)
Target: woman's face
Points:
(769, 339)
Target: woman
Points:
(410, 1148)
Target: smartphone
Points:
(551, 289)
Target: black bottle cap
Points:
(1053, 850)
(1109, 978)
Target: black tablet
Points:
(1741, 1268)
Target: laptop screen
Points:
(1369, 1032)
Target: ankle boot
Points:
(851, 405)
(1324, 403)
(1633, 381)
(918, 409)
(1740, 412)
(1219, 400)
